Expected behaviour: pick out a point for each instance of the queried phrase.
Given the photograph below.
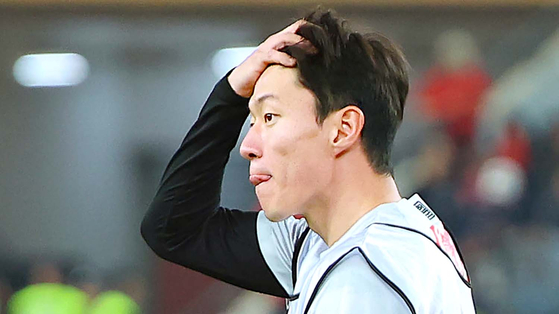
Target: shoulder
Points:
(395, 247)
(408, 255)
(415, 266)
(408, 232)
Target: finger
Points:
(279, 41)
(277, 57)
(293, 27)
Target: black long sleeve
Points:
(185, 223)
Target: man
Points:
(325, 103)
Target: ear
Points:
(347, 125)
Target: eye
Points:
(268, 117)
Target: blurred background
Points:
(95, 96)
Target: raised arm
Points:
(185, 223)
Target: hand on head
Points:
(244, 77)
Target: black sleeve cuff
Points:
(225, 92)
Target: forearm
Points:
(189, 192)
(186, 225)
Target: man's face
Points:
(290, 159)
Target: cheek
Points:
(304, 162)
(312, 172)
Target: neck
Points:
(353, 192)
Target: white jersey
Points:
(398, 258)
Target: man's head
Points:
(365, 70)
(346, 96)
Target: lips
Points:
(256, 179)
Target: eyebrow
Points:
(260, 99)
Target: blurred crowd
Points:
(44, 285)
(488, 164)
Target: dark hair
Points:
(349, 68)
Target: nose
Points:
(251, 147)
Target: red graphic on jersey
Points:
(444, 241)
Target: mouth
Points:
(257, 179)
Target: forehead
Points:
(280, 84)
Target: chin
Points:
(274, 215)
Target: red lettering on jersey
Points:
(444, 241)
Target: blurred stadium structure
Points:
(79, 164)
